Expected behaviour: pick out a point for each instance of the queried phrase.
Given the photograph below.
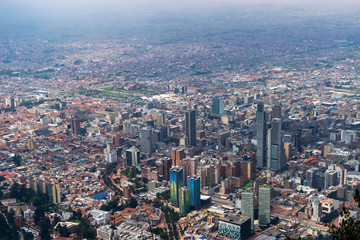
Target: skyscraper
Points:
(190, 127)
(176, 182)
(10, 102)
(75, 127)
(184, 201)
(264, 204)
(331, 179)
(343, 176)
(218, 105)
(247, 203)
(132, 156)
(276, 112)
(276, 152)
(166, 164)
(194, 191)
(146, 140)
(261, 136)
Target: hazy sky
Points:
(68, 6)
(23, 12)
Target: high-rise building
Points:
(184, 201)
(177, 154)
(53, 190)
(317, 210)
(160, 119)
(10, 102)
(176, 182)
(207, 175)
(247, 204)
(111, 157)
(31, 145)
(146, 140)
(276, 152)
(276, 112)
(261, 136)
(75, 127)
(331, 179)
(192, 165)
(343, 176)
(190, 127)
(264, 204)
(33, 181)
(166, 165)
(132, 157)
(218, 105)
(194, 191)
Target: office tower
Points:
(247, 203)
(192, 165)
(190, 127)
(287, 150)
(166, 164)
(331, 179)
(207, 175)
(276, 152)
(111, 157)
(218, 105)
(343, 176)
(132, 156)
(177, 154)
(298, 140)
(264, 204)
(194, 191)
(276, 112)
(261, 136)
(75, 127)
(310, 176)
(10, 102)
(176, 182)
(160, 119)
(184, 201)
(146, 140)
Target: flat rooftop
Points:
(234, 219)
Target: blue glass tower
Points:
(218, 105)
(194, 191)
(176, 182)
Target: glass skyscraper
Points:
(247, 203)
(190, 127)
(176, 182)
(184, 201)
(194, 191)
(261, 136)
(264, 204)
(218, 105)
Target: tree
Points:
(63, 231)
(133, 203)
(17, 160)
(44, 229)
(7, 231)
(27, 235)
